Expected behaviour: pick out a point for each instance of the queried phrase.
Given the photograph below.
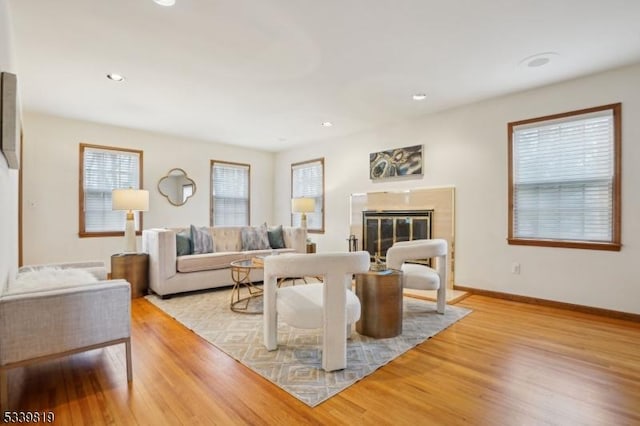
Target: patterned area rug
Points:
(296, 365)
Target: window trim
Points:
(321, 161)
(81, 219)
(248, 166)
(615, 243)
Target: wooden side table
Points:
(133, 267)
(311, 247)
(380, 295)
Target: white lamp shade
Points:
(130, 199)
(303, 205)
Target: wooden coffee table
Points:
(241, 276)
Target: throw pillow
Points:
(201, 239)
(276, 238)
(255, 238)
(183, 243)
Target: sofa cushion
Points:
(207, 261)
(183, 243)
(201, 240)
(276, 238)
(227, 238)
(253, 253)
(255, 238)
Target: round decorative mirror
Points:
(177, 187)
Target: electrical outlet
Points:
(515, 268)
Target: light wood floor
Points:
(507, 363)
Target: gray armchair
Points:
(39, 325)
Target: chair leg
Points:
(441, 299)
(4, 391)
(270, 315)
(127, 347)
(334, 333)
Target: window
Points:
(307, 180)
(103, 169)
(564, 179)
(229, 193)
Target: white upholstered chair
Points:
(331, 305)
(422, 277)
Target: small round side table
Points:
(380, 294)
(241, 276)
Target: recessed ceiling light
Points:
(327, 124)
(165, 2)
(537, 60)
(115, 77)
(419, 97)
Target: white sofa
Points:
(171, 274)
(49, 320)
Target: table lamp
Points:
(303, 205)
(130, 200)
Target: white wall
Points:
(8, 177)
(51, 179)
(467, 147)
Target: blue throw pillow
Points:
(276, 238)
(183, 243)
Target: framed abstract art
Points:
(397, 162)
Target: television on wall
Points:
(10, 138)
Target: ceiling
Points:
(267, 73)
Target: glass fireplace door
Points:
(384, 228)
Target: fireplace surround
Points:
(440, 201)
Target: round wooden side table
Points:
(133, 267)
(380, 295)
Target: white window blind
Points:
(105, 169)
(307, 180)
(563, 177)
(230, 193)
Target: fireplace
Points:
(382, 228)
(438, 202)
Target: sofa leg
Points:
(127, 346)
